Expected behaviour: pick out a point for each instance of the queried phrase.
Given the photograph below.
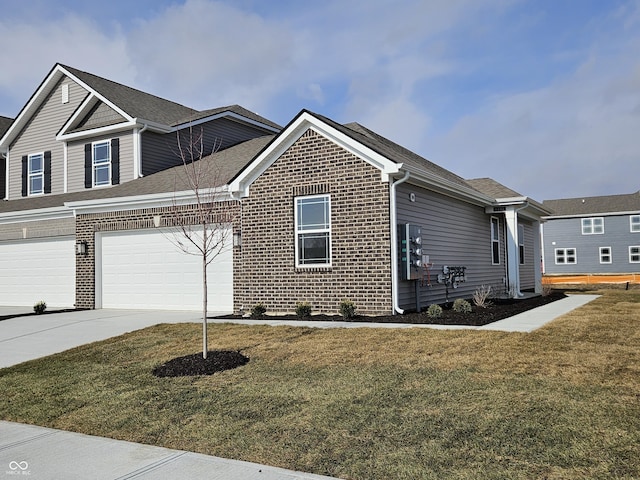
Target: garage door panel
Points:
(34, 270)
(146, 270)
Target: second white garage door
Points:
(143, 269)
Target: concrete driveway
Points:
(34, 336)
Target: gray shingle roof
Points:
(595, 205)
(392, 151)
(139, 104)
(223, 165)
(5, 123)
(492, 188)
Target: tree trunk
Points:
(204, 301)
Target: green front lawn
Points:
(561, 402)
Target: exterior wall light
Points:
(237, 239)
(81, 248)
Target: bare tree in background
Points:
(201, 219)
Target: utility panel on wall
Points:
(410, 251)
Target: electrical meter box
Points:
(411, 256)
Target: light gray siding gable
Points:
(39, 135)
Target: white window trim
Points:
(497, 240)
(93, 164)
(631, 247)
(298, 232)
(610, 255)
(635, 224)
(564, 255)
(32, 175)
(591, 226)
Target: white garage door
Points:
(143, 269)
(34, 270)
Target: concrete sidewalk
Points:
(44, 453)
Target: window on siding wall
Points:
(36, 174)
(101, 164)
(592, 226)
(634, 254)
(313, 231)
(605, 254)
(495, 241)
(566, 256)
(521, 243)
(635, 223)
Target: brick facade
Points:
(88, 224)
(265, 270)
(40, 229)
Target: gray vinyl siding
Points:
(40, 135)
(101, 115)
(527, 270)
(454, 233)
(75, 155)
(567, 233)
(161, 151)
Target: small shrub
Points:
(462, 306)
(434, 311)
(257, 311)
(481, 296)
(547, 289)
(347, 309)
(303, 309)
(40, 307)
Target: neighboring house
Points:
(593, 236)
(322, 212)
(78, 136)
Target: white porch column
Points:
(513, 264)
(537, 256)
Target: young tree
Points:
(202, 216)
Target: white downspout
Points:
(138, 163)
(394, 244)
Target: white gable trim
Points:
(239, 187)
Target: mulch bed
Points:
(216, 361)
(499, 309)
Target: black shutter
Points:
(88, 164)
(47, 171)
(3, 180)
(115, 161)
(25, 176)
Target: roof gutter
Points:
(394, 243)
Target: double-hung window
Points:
(634, 254)
(605, 254)
(101, 163)
(592, 226)
(566, 256)
(36, 174)
(313, 231)
(635, 223)
(495, 241)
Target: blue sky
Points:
(543, 96)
